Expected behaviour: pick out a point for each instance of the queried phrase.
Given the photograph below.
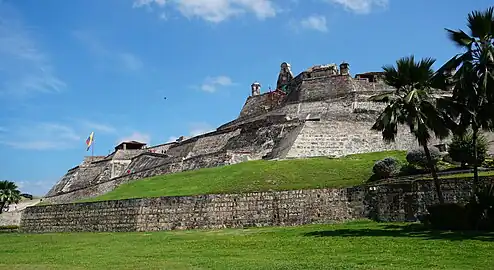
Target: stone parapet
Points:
(401, 201)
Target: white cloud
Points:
(200, 128)
(360, 6)
(141, 3)
(126, 60)
(25, 69)
(315, 22)
(36, 188)
(130, 61)
(136, 136)
(98, 127)
(216, 11)
(42, 136)
(211, 84)
(195, 129)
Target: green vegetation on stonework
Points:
(354, 245)
(255, 176)
(465, 175)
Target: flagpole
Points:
(92, 148)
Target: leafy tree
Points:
(470, 76)
(412, 104)
(461, 149)
(8, 194)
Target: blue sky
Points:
(71, 67)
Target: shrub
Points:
(9, 228)
(481, 211)
(475, 215)
(418, 158)
(447, 216)
(386, 167)
(461, 149)
(488, 163)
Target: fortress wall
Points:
(324, 88)
(364, 85)
(212, 143)
(68, 177)
(339, 138)
(182, 149)
(105, 175)
(198, 212)
(283, 145)
(82, 177)
(400, 201)
(118, 167)
(83, 193)
(258, 139)
(148, 166)
(206, 161)
(255, 105)
(162, 148)
(86, 176)
(127, 154)
(104, 216)
(145, 162)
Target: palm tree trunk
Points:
(475, 160)
(2, 205)
(432, 167)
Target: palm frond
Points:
(460, 38)
(383, 97)
(480, 23)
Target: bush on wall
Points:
(418, 158)
(386, 168)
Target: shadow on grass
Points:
(412, 230)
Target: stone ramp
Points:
(13, 215)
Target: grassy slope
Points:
(356, 245)
(258, 175)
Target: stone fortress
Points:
(323, 111)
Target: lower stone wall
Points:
(384, 202)
(284, 208)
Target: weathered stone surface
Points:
(401, 201)
(339, 138)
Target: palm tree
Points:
(412, 104)
(8, 194)
(472, 100)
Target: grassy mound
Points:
(253, 176)
(355, 245)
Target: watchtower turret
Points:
(285, 76)
(256, 89)
(344, 68)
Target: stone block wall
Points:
(213, 143)
(255, 105)
(284, 208)
(323, 88)
(406, 200)
(162, 148)
(109, 216)
(150, 167)
(339, 138)
(401, 201)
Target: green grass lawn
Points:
(253, 176)
(355, 245)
